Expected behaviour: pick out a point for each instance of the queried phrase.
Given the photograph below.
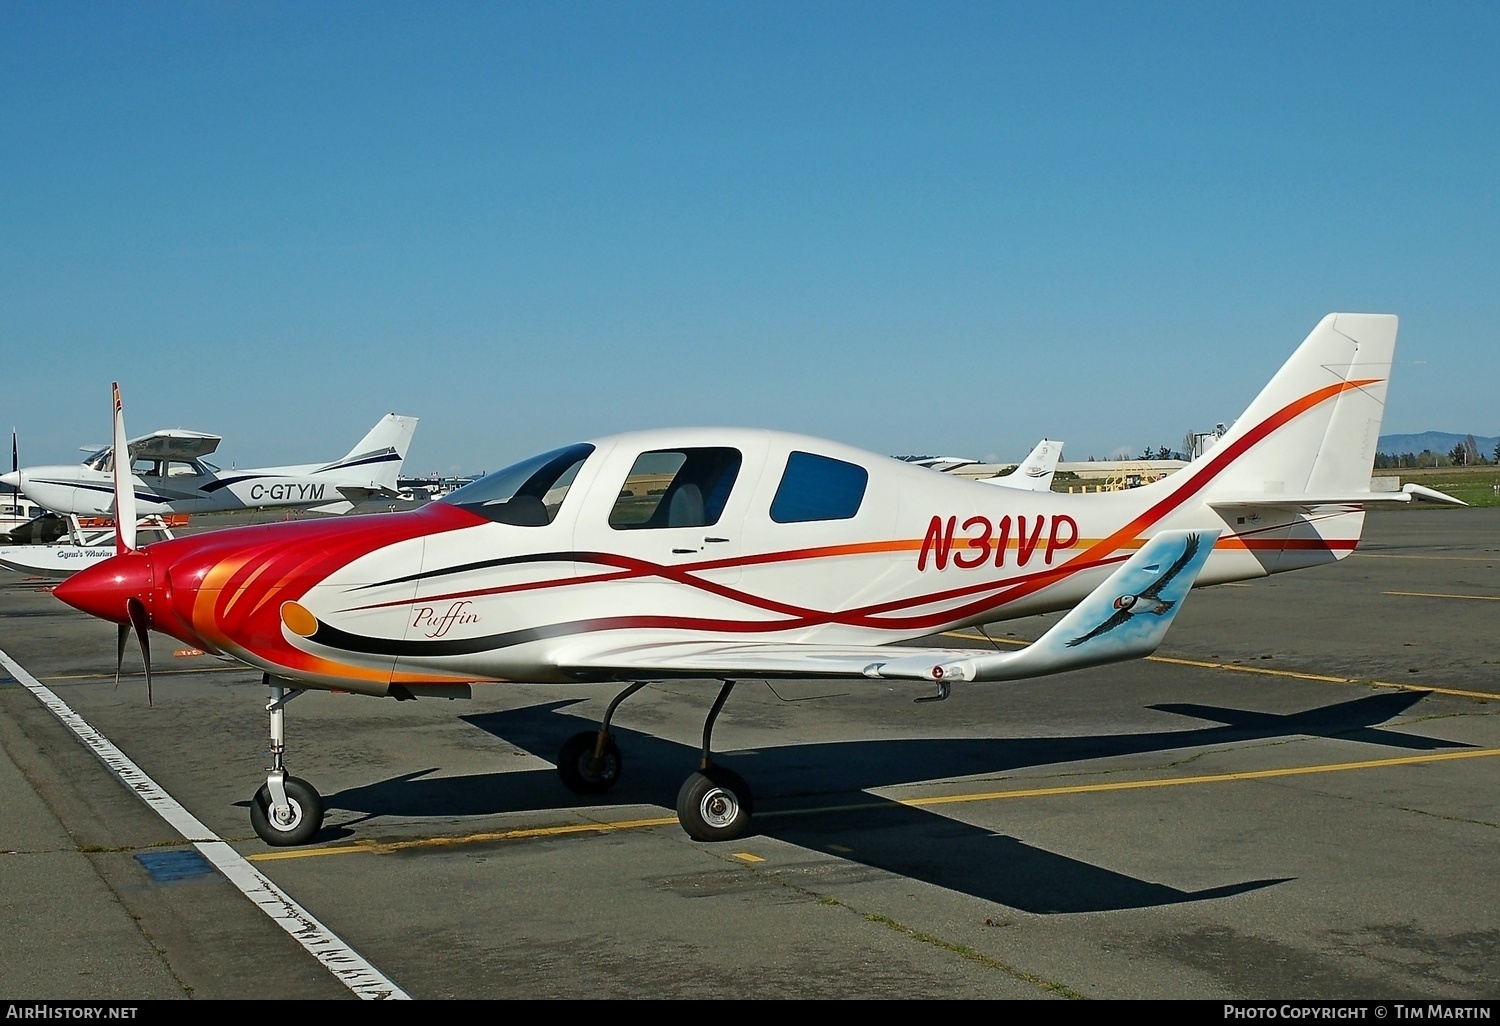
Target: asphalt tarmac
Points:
(1294, 799)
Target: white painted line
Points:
(346, 964)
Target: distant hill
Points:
(1434, 441)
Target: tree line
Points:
(1464, 454)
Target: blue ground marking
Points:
(167, 866)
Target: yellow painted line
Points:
(1439, 594)
(129, 674)
(1217, 778)
(386, 848)
(1204, 664)
(1395, 555)
(1266, 670)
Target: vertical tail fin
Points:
(381, 452)
(1034, 473)
(1313, 430)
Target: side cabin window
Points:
(676, 488)
(527, 494)
(146, 466)
(818, 488)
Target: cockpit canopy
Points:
(525, 494)
(688, 486)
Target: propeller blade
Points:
(120, 651)
(124, 484)
(142, 624)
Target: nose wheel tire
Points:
(580, 772)
(715, 804)
(297, 823)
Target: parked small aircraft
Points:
(170, 475)
(1035, 472)
(731, 554)
(77, 542)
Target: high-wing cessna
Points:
(732, 554)
(168, 474)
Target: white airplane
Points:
(84, 546)
(169, 475)
(731, 554)
(1034, 473)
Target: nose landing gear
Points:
(286, 810)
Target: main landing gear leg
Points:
(286, 810)
(590, 762)
(715, 803)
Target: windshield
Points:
(527, 494)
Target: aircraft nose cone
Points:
(13, 479)
(103, 589)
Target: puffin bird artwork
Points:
(1145, 602)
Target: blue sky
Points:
(913, 227)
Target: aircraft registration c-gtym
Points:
(729, 554)
(168, 474)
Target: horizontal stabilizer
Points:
(1364, 500)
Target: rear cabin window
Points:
(676, 488)
(818, 488)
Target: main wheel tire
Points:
(575, 764)
(303, 818)
(715, 805)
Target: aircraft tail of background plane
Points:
(1034, 473)
(380, 453)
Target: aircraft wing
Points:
(173, 444)
(1095, 631)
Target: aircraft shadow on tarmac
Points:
(819, 792)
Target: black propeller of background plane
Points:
(42, 529)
